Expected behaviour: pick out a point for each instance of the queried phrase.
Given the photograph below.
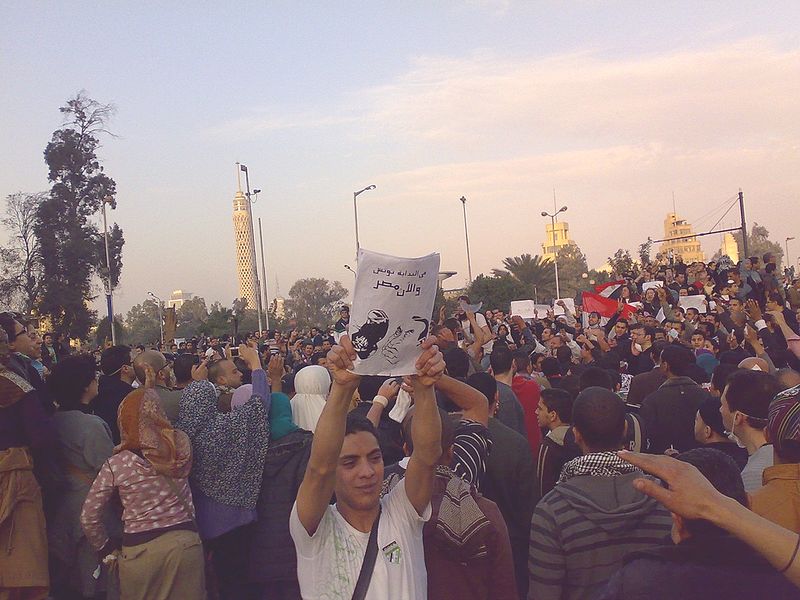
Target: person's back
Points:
(509, 409)
(114, 384)
(703, 561)
(582, 529)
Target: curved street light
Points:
(553, 237)
(355, 212)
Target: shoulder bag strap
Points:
(368, 566)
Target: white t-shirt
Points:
(754, 469)
(481, 321)
(328, 563)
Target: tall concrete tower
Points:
(245, 247)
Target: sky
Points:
(615, 106)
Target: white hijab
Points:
(312, 384)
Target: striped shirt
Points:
(470, 450)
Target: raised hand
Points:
(430, 365)
(200, 371)
(389, 389)
(341, 362)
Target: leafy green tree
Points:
(219, 321)
(191, 316)
(103, 333)
(497, 291)
(758, 243)
(67, 237)
(572, 267)
(622, 262)
(533, 272)
(313, 301)
(21, 258)
(142, 323)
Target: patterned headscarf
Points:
(229, 448)
(146, 430)
(784, 418)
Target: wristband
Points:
(382, 400)
(761, 324)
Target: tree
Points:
(622, 263)
(572, 267)
(758, 243)
(191, 317)
(219, 321)
(143, 323)
(497, 291)
(103, 333)
(67, 238)
(535, 273)
(313, 301)
(21, 259)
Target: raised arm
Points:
(387, 392)
(320, 477)
(426, 427)
(473, 404)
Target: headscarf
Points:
(229, 448)
(312, 384)
(784, 419)
(280, 416)
(146, 430)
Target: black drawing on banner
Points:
(390, 349)
(365, 339)
(424, 332)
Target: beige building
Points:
(729, 247)
(555, 238)
(178, 298)
(687, 248)
(245, 250)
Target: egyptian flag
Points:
(612, 289)
(606, 307)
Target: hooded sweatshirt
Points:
(582, 530)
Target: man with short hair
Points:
(163, 379)
(553, 413)
(668, 413)
(647, 382)
(594, 517)
(334, 542)
(709, 431)
(745, 412)
(509, 410)
(704, 561)
(226, 377)
(116, 379)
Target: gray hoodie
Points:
(582, 530)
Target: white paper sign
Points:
(651, 284)
(528, 309)
(570, 302)
(392, 305)
(697, 301)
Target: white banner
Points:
(651, 284)
(528, 309)
(392, 305)
(698, 301)
(570, 302)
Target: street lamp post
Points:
(355, 213)
(788, 262)
(160, 315)
(253, 244)
(256, 192)
(466, 236)
(553, 239)
(109, 289)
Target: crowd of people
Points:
(650, 451)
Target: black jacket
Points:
(716, 567)
(111, 392)
(272, 553)
(668, 415)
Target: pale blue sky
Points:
(615, 105)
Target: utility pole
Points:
(466, 236)
(744, 225)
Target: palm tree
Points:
(533, 271)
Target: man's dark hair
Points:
(70, 378)
(599, 415)
(457, 362)
(453, 325)
(596, 377)
(721, 373)
(770, 267)
(678, 359)
(501, 359)
(486, 384)
(523, 361)
(616, 378)
(215, 369)
(113, 359)
(550, 367)
(751, 392)
(723, 473)
(657, 348)
(316, 357)
(182, 367)
(559, 401)
(140, 347)
(357, 423)
(563, 355)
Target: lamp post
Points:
(553, 239)
(355, 213)
(160, 315)
(250, 202)
(256, 192)
(788, 262)
(466, 236)
(109, 289)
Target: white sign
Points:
(392, 306)
(698, 301)
(651, 284)
(570, 302)
(527, 309)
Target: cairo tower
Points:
(245, 249)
